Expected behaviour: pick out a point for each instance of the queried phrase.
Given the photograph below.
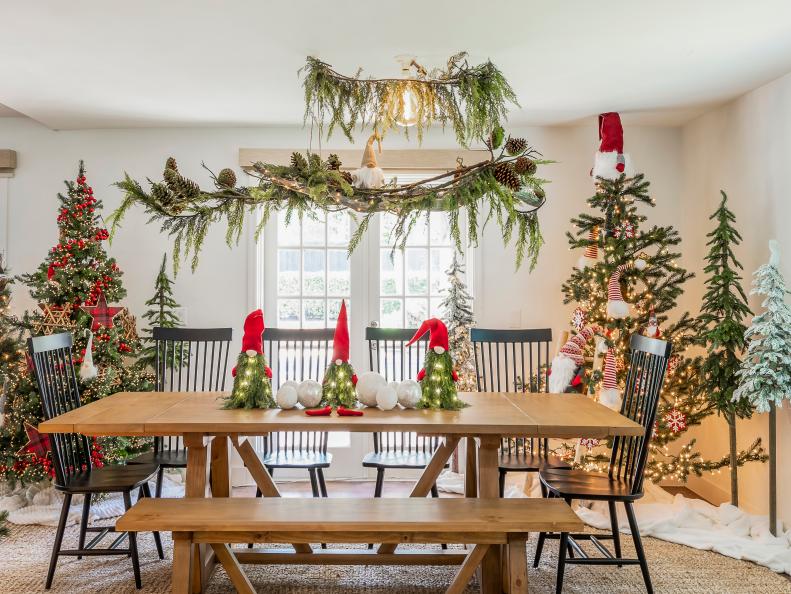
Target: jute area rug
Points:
(675, 569)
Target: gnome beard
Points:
(564, 370)
(369, 175)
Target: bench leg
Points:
(233, 569)
(182, 549)
(467, 569)
(517, 564)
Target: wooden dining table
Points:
(211, 432)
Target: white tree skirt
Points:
(692, 522)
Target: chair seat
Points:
(522, 461)
(579, 484)
(297, 459)
(110, 479)
(164, 458)
(390, 459)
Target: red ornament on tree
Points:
(37, 443)
(676, 420)
(101, 313)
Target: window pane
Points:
(386, 224)
(391, 272)
(288, 313)
(436, 309)
(313, 272)
(334, 308)
(338, 228)
(390, 313)
(288, 272)
(287, 234)
(313, 230)
(416, 271)
(440, 229)
(313, 313)
(441, 259)
(419, 233)
(339, 273)
(416, 312)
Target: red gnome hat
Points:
(340, 342)
(253, 333)
(438, 335)
(610, 160)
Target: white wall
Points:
(218, 292)
(743, 148)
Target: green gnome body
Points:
(437, 378)
(252, 386)
(338, 386)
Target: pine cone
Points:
(315, 162)
(226, 178)
(182, 187)
(347, 176)
(333, 162)
(515, 146)
(299, 162)
(525, 166)
(161, 194)
(505, 174)
(171, 164)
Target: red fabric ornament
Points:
(438, 334)
(319, 412)
(253, 332)
(349, 412)
(268, 371)
(50, 272)
(455, 375)
(354, 379)
(421, 374)
(589, 442)
(37, 442)
(340, 342)
(101, 313)
(676, 420)
(673, 363)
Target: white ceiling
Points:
(98, 64)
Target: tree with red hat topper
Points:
(252, 385)
(627, 281)
(437, 378)
(77, 287)
(339, 381)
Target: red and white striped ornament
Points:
(609, 394)
(591, 254)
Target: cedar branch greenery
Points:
(308, 184)
(437, 386)
(722, 313)
(252, 387)
(470, 99)
(337, 387)
(162, 314)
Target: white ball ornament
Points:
(309, 393)
(287, 396)
(368, 384)
(409, 393)
(386, 398)
(439, 350)
(291, 383)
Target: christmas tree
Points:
(627, 282)
(723, 309)
(437, 378)
(161, 313)
(252, 387)
(73, 286)
(337, 387)
(457, 311)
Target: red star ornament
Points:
(101, 313)
(37, 443)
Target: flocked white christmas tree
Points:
(457, 312)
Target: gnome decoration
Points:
(616, 306)
(340, 379)
(252, 387)
(369, 175)
(591, 254)
(437, 378)
(610, 161)
(567, 367)
(88, 370)
(609, 394)
(652, 330)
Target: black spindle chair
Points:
(296, 355)
(186, 360)
(389, 356)
(623, 481)
(71, 459)
(516, 361)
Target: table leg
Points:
(220, 467)
(181, 563)
(488, 488)
(427, 479)
(517, 564)
(197, 485)
(471, 469)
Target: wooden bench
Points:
(479, 522)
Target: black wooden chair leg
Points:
(314, 483)
(434, 491)
(157, 538)
(502, 484)
(616, 535)
(322, 482)
(380, 482)
(542, 537)
(564, 542)
(160, 480)
(133, 544)
(64, 514)
(569, 548)
(86, 508)
(638, 545)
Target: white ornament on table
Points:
(386, 398)
(409, 393)
(309, 393)
(368, 384)
(287, 396)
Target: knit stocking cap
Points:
(616, 306)
(592, 251)
(569, 358)
(610, 395)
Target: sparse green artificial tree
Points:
(162, 314)
(722, 330)
(765, 374)
(457, 311)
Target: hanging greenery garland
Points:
(506, 182)
(471, 99)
